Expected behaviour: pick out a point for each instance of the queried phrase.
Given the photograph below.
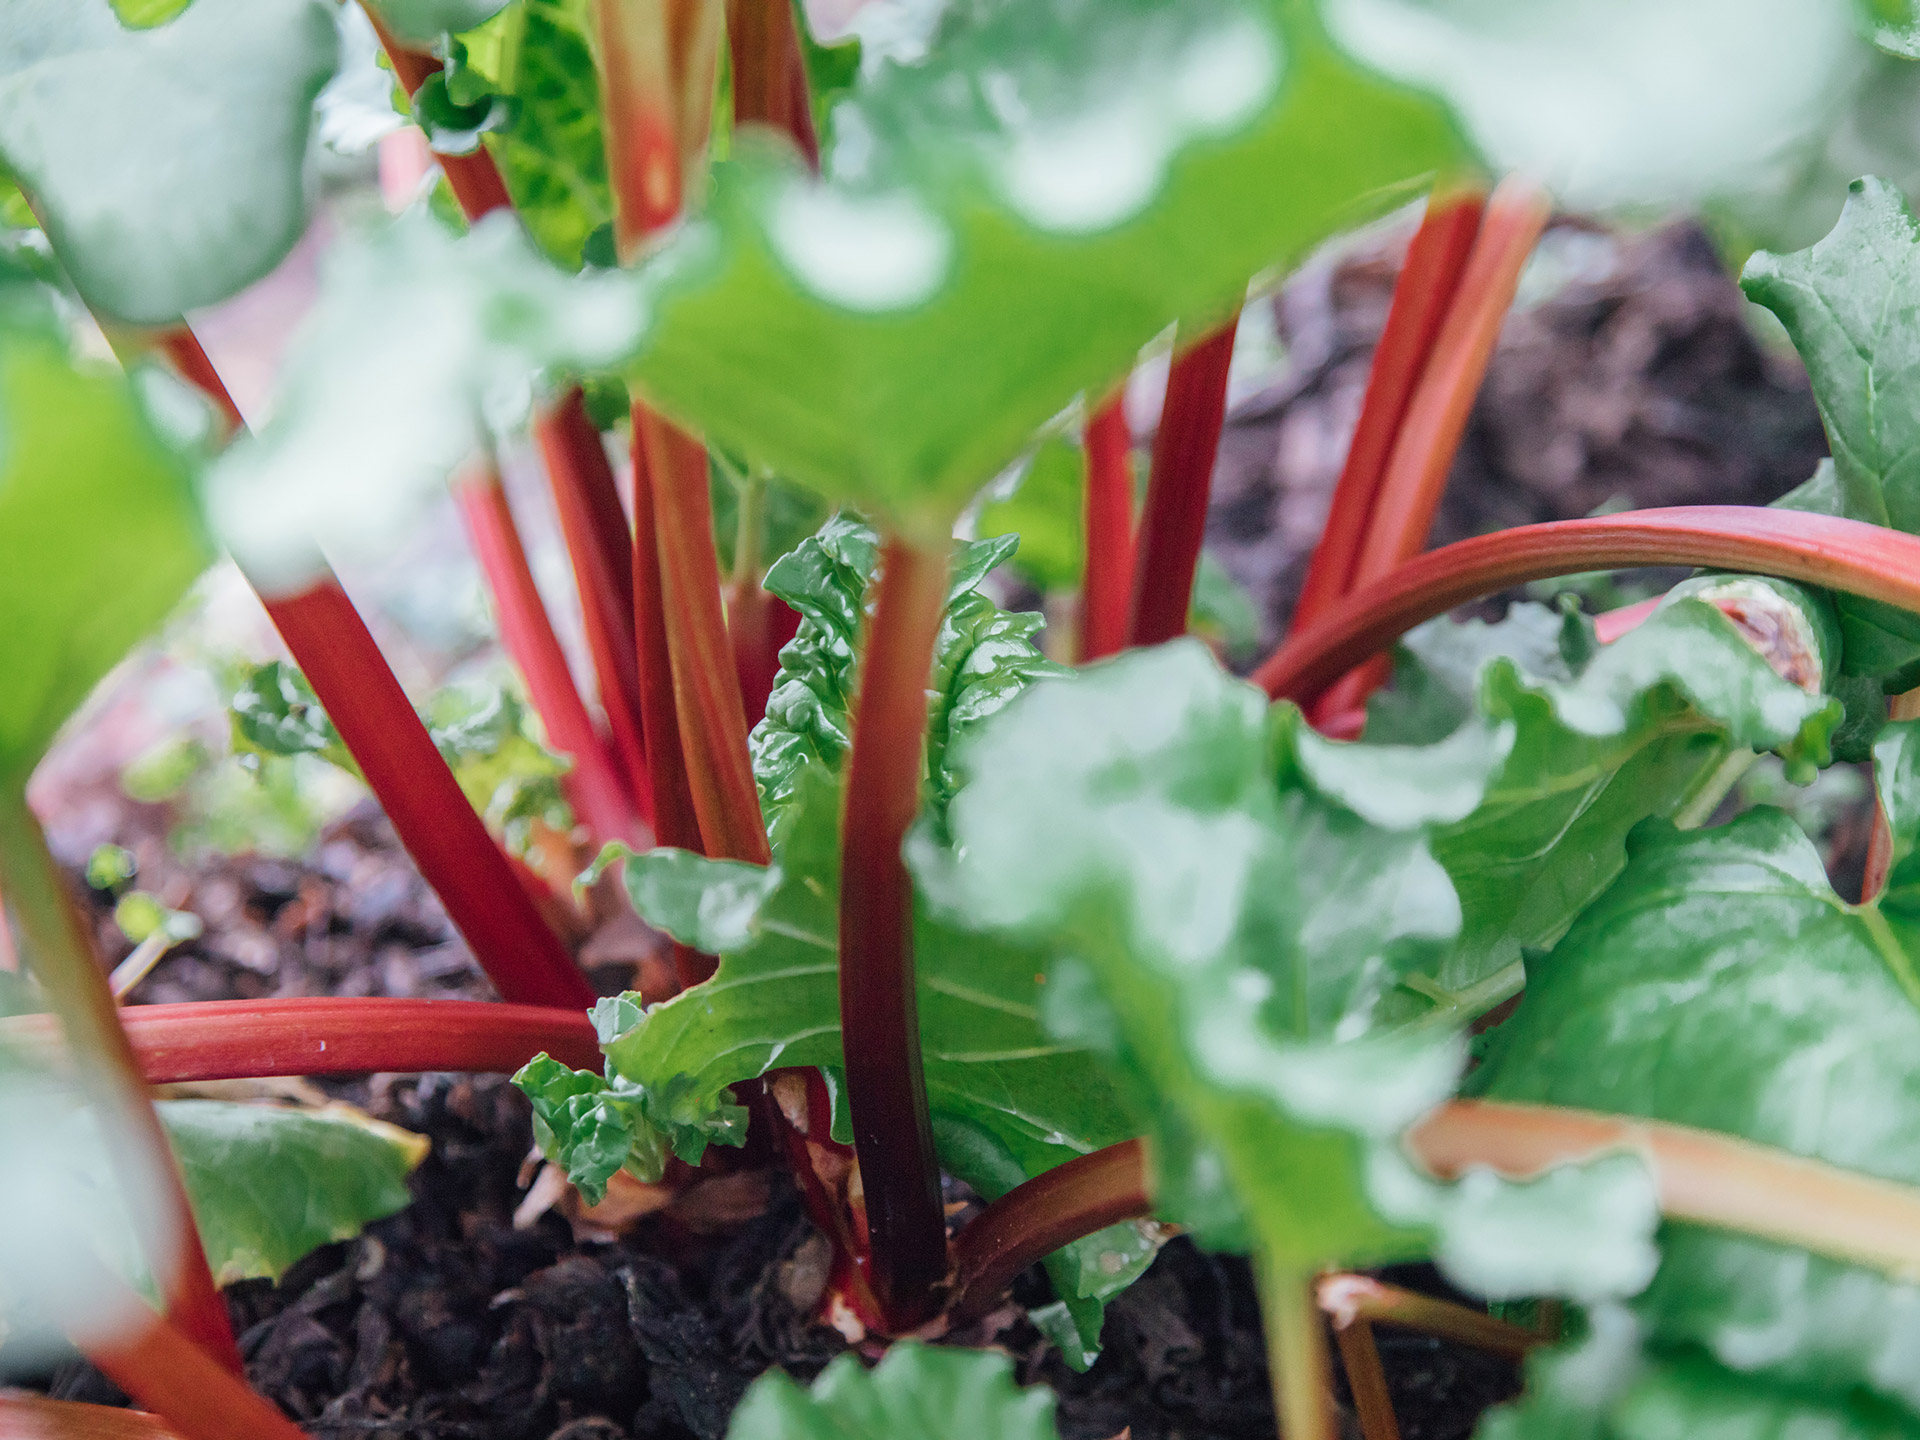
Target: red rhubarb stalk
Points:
(1167, 554)
(1845, 555)
(1435, 259)
(640, 123)
(595, 528)
(247, 1039)
(1106, 583)
(706, 686)
(1429, 436)
(60, 953)
(518, 950)
(26, 1416)
(879, 1015)
(593, 786)
(473, 178)
(1034, 1219)
(769, 72)
(169, 1372)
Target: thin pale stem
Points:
(520, 952)
(247, 1039)
(706, 687)
(598, 541)
(1035, 1218)
(1296, 1351)
(60, 954)
(1174, 522)
(169, 1373)
(1356, 1300)
(1106, 583)
(1701, 1175)
(594, 786)
(1845, 555)
(1372, 1401)
(879, 1014)
(1435, 259)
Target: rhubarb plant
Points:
(1133, 941)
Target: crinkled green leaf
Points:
(916, 1392)
(1581, 93)
(269, 1184)
(420, 345)
(590, 1128)
(1004, 225)
(1644, 727)
(1721, 983)
(422, 22)
(99, 535)
(1227, 902)
(536, 59)
(1852, 305)
(983, 656)
(167, 164)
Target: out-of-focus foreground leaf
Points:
(918, 1392)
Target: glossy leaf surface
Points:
(917, 1392)
(1050, 188)
(270, 1184)
(99, 535)
(1721, 983)
(1852, 305)
(168, 164)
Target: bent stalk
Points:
(1847, 555)
(879, 1013)
(1355, 1300)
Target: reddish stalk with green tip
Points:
(770, 74)
(1107, 580)
(1174, 522)
(474, 179)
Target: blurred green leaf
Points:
(99, 536)
(1223, 611)
(422, 22)
(1722, 983)
(916, 1392)
(269, 1184)
(1047, 511)
(168, 164)
(422, 343)
(1003, 226)
(487, 735)
(140, 916)
(109, 867)
(788, 513)
(275, 712)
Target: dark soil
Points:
(1635, 382)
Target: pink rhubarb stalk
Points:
(1106, 583)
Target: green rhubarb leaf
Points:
(275, 712)
(1003, 226)
(1576, 93)
(1226, 902)
(589, 1128)
(1895, 26)
(916, 1392)
(423, 22)
(983, 656)
(1722, 983)
(270, 1184)
(535, 62)
(1852, 305)
(1656, 723)
(1047, 512)
(99, 535)
(422, 344)
(487, 734)
(167, 164)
